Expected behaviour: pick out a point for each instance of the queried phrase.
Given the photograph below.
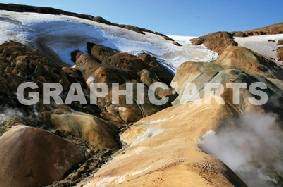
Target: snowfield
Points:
(262, 44)
(58, 35)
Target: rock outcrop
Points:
(246, 60)
(20, 64)
(269, 30)
(33, 157)
(235, 65)
(217, 42)
(163, 149)
(96, 131)
(104, 65)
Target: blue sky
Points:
(180, 17)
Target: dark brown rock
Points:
(122, 68)
(33, 157)
(268, 30)
(126, 62)
(217, 42)
(96, 131)
(99, 52)
(163, 74)
(22, 64)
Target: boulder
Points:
(239, 34)
(99, 52)
(87, 64)
(162, 73)
(128, 115)
(126, 62)
(96, 131)
(31, 157)
(147, 77)
(246, 60)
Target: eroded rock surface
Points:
(104, 65)
(162, 150)
(33, 157)
(217, 42)
(89, 128)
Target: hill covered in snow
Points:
(59, 35)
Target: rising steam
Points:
(253, 149)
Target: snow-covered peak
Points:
(59, 35)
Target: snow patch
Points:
(59, 35)
(261, 44)
(91, 79)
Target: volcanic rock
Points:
(105, 65)
(246, 60)
(20, 64)
(217, 42)
(99, 52)
(235, 65)
(33, 157)
(162, 150)
(96, 131)
(269, 30)
(153, 65)
(126, 62)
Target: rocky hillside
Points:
(268, 30)
(167, 147)
(197, 138)
(267, 41)
(94, 129)
(217, 42)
